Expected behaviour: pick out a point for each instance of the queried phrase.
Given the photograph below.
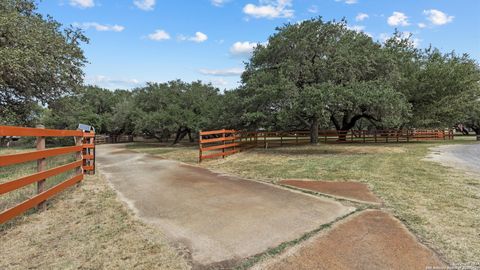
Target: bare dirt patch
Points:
(350, 190)
(372, 239)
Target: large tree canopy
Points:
(317, 73)
(101, 108)
(39, 61)
(177, 108)
(444, 85)
(321, 73)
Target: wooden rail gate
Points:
(226, 142)
(84, 150)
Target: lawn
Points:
(439, 204)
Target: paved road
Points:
(459, 156)
(219, 218)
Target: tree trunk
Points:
(181, 133)
(314, 131)
(477, 132)
(190, 138)
(177, 137)
(347, 124)
(3, 141)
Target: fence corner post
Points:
(200, 146)
(41, 166)
(223, 149)
(79, 154)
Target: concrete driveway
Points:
(220, 219)
(465, 156)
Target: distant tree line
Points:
(308, 76)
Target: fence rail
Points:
(229, 142)
(84, 163)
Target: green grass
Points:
(439, 204)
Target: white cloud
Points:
(270, 9)
(159, 35)
(218, 3)
(111, 83)
(222, 72)
(348, 2)
(437, 17)
(361, 16)
(313, 9)
(144, 4)
(242, 48)
(219, 82)
(422, 25)
(100, 27)
(199, 37)
(398, 19)
(82, 3)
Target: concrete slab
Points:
(370, 240)
(220, 219)
(348, 190)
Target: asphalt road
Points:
(466, 157)
(220, 219)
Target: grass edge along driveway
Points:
(437, 203)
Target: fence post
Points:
(408, 135)
(281, 139)
(265, 139)
(223, 149)
(375, 135)
(234, 139)
(200, 146)
(78, 155)
(296, 138)
(364, 131)
(41, 165)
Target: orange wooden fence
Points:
(228, 142)
(224, 142)
(84, 150)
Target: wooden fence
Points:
(227, 142)
(84, 150)
(102, 139)
(224, 142)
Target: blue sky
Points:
(135, 41)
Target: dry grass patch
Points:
(439, 204)
(85, 227)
